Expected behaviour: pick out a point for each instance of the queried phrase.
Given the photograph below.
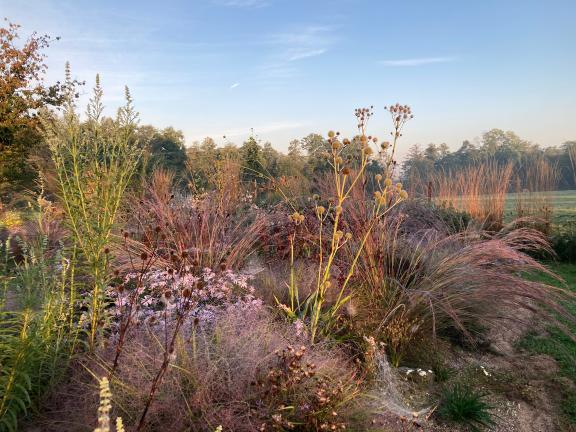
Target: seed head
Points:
(331, 134)
(388, 182)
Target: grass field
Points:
(563, 204)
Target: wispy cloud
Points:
(233, 86)
(289, 48)
(243, 3)
(421, 61)
(299, 55)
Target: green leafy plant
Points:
(462, 404)
(35, 344)
(94, 162)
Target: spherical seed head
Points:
(377, 194)
(339, 234)
(368, 151)
(385, 145)
(399, 186)
(378, 177)
(331, 134)
(403, 194)
(348, 235)
(222, 266)
(346, 171)
(106, 251)
(335, 145)
(186, 292)
(157, 229)
(388, 182)
(338, 209)
(320, 210)
(346, 141)
(143, 256)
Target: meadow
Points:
(146, 286)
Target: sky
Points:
(281, 69)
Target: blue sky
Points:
(289, 67)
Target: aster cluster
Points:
(166, 295)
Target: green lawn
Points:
(563, 204)
(559, 345)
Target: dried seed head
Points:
(388, 182)
(143, 256)
(378, 177)
(346, 171)
(403, 194)
(331, 134)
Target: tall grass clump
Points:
(216, 230)
(533, 199)
(479, 190)
(415, 285)
(94, 162)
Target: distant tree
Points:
(271, 158)
(252, 161)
